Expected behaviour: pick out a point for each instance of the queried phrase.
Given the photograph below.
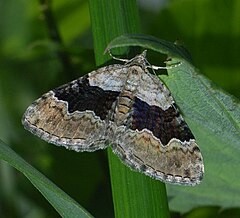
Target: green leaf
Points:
(149, 42)
(65, 205)
(214, 118)
(134, 194)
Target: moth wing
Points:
(155, 139)
(75, 115)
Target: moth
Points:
(125, 107)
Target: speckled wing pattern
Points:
(128, 108)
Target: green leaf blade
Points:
(149, 42)
(65, 205)
(213, 116)
(134, 194)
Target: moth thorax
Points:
(123, 108)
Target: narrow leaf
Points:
(149, 42)
(64, 204)
(134, 194)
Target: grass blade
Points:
(64, 204)
(134, 194)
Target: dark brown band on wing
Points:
(81, 97)
(164, 124)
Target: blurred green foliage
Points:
(30, 66)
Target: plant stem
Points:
(55, 36)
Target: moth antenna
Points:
(118, 59)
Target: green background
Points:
(30, 66)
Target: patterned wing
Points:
(151, 135)
(75, 115)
